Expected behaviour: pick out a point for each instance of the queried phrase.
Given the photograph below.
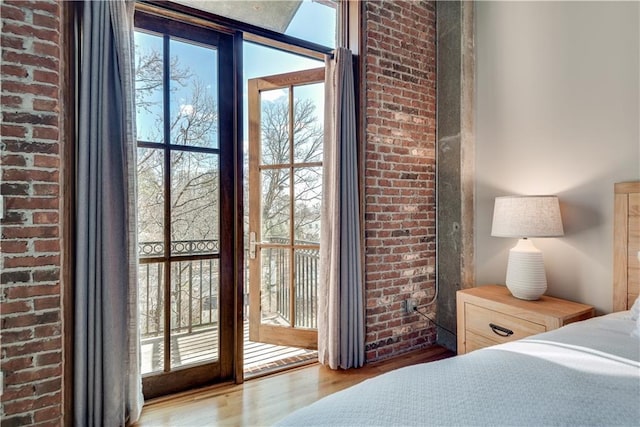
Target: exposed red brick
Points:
(46, 49)
(31, 32)
(12, 101)
(46, 331)
(28, 59)
(17, 364)
(18, 146)
(46, 190)
(47, 414)
(46, 77)
(31, 261)
(13, 247)
(13, 130)
(29, 175)
(40, 132)
(399, 57)
(15, 71)
(15, 189)
(10, 12)
(19, 406)
(20, 392)
(16, 277)
(12, 307)
(34, 346)
(31, 118)
(44, 20)
(47, 91)
(45, 105)
(26, 232)
(12, 42)
(47, 275)
(23, 320)
(46, 161)
(32, 203)
(13, 160)
(46, 6)
(51, 358)
(15, 336)
(46, 303)
(32, 291)
(41, 246)
(45, 218)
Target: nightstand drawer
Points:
(489, 315)
(497, 327)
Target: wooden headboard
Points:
(626, 245)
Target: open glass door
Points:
(285, 190)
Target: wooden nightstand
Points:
(489, 315)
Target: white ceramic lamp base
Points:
(526, 278)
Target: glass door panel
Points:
(194, 312)
(285, 191)
(186, 191)
(276, 205)
(275, 286)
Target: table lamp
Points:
(524, 217)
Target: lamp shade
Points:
(527, 216)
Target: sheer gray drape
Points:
(107, 382)
(341, 292)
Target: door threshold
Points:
(280, 366)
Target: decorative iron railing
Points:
(178, 247)
(194, 285)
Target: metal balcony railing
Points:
(194, 285)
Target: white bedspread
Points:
(586, 373)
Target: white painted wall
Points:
(558, 112)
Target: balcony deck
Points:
(201, 344)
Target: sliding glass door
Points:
(185, 129)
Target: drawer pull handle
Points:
(499, 330)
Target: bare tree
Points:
(307, 148)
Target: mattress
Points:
(586, 373)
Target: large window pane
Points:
(307, 199)
(308, 123)
(149, 87)
(151, 202)
(151, 305)
(194, 94)
(275, 292)
(274, 126)
(276, 203)
(194, 203)
(194, 311)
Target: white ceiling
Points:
(273, 14)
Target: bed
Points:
(585, 373)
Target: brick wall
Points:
(30, 291)
(400, 61)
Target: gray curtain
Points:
(107, 382)
(341, 291)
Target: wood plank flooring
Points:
(264, 401)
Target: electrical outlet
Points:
(409, 305)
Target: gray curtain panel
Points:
(107, 383)
(341, 289)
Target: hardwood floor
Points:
(264, 401)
